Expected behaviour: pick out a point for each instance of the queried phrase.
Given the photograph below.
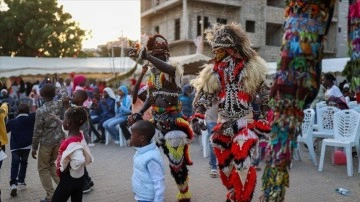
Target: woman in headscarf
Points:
(104, 111)
(122, 110)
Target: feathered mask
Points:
(158, 45)
(230, 36)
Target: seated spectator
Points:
(333, 95)
(104, 111)
(122, 110)
(348, 94)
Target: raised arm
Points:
(161, 65)
(146, 106)
(138, 82)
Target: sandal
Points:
(213, 173)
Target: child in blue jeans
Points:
(148, 181)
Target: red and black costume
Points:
(233, 81)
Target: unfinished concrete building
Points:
(183, 22)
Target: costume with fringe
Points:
(176, 134)
(233, 82)
(296, 84)
(352, 68)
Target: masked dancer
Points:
(164, 88)
(232, 82)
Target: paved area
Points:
(112, 170)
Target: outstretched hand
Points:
(145, 68)
(132, 52)
(143, 54)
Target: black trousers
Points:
(87, 178)
(68, 187)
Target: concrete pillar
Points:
(185, 23)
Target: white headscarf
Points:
(110, 92)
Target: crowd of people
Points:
(229, 99)
(47, 139)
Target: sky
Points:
(108, 19)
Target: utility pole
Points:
(202, 32)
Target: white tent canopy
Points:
(28, 66)
(24, 66)
(328, 65)
(187, 59)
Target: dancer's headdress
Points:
(230, 36)
(158, 45)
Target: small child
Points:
(21, 128)
(148, 181)
(79, 97)
(73, 155)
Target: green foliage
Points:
(39, 28)
(352, 73)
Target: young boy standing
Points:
(21, 129)
(148, 180)
(47, 137)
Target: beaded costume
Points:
(295, 86)
(175, 133)
(352, 68)
(233, 81)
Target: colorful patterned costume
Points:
(295, 86)
(352, 68)
(233, 81)
(175, 133)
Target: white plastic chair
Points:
(352, 104)
(306, 131)
(318, 106)
(346, 128)
(325, 122)
(357, 109)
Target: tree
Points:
(39, 28)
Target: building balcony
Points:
(152, 8)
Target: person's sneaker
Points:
(13, 190)
(91, 183)
(97, 140)
(91, 144)
(117, 142)
(21, 185)
(213, 173)
(86, 188)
